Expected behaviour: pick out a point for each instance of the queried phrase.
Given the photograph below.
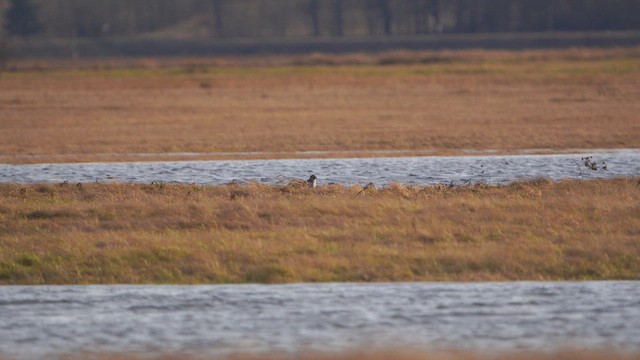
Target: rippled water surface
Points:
(406, 170)
(210, 320)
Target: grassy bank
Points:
(124, 233)
(417, 102)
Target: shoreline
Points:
(604, 353)
(36, 159)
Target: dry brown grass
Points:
(124, 233)
(347, 104)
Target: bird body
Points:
(370, 187)
(312, 181)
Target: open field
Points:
(125, 233)
(346, 105)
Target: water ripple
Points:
(406, 170)
(216, 320)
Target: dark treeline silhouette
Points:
(316, 18)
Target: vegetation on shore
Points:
(429, 102)
(188, 234)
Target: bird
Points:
(312, 181)
(368, 188)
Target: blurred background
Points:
(62, 28)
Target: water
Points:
(406, 170)
(217, 320)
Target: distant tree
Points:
(283, 18)
(436, 13)
(461, 16)
(385, 12)
(218, 13)
(420, 15)
(551, 13)
(339, 18)
(22, 19)
(315, 17)
(379, 14)
(4, 5)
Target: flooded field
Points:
(217, 320)
(406, 170)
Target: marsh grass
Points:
(167, 233)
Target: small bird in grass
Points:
(312, 181)
(368, 188)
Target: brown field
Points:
(346, 105)
(188, 234)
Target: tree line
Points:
(316, 18)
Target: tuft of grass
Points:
(136, 233)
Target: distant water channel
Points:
(426, 170)
(47, 322)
